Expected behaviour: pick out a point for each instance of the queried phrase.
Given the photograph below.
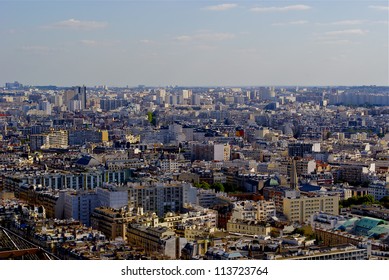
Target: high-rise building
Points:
(210, 151)
(68, 96)
(80, 137)
(111, 104)
(45, 106)
(299, 149)
(74, 105)
(37, 141)
(58, 100)
(196, 99)
(81, 95)
(186, 93)
(14, 85)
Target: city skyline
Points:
(188, 43)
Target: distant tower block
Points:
(81, 95)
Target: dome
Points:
(272, 182)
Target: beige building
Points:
(112, 222)
(248, 227)
(250, 210)
(300, 209)
(58, 139)
(156, 240)
(195, 232)
(265, 210)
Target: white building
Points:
(45, 106)
(112, 197)
(251, 210)
(378, 189)
(161, 197)
(75, 105)
(79, 205)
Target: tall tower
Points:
(293, 176)
(81, 95)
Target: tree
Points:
(358, 200)
(152, 117)
(385, 201)
(205, 186)
(202, 185)
(230, 188)
(367, 199)
(218, 187)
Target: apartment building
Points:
(80, 137)
(300, 209)
(378, 189)
(248, 227)
(156, 240)
(277, 194)
(345, 252)
(112, 197)
(210, 151)
(161, 197)
(112, 222)
(80, 205)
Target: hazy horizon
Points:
(195, 43)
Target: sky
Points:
(194, 43)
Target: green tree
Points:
(218, 187)
(150, 117)
(230, 188)
(202, 185)
(357, 200)
(205, 186)
(367, 199)
(385, 201)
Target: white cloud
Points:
(297, 22)
(348, 22)
(380, 22)
(146, 41)
(380, 8)
(281, 9)
(208, 36)
(221, 7)
(352, 22)
(89, 42)
(247, 50)
(78, 24)
(184, 38)
(346, 32)
(335, 42)
(94, 43)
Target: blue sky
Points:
(194, 43)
